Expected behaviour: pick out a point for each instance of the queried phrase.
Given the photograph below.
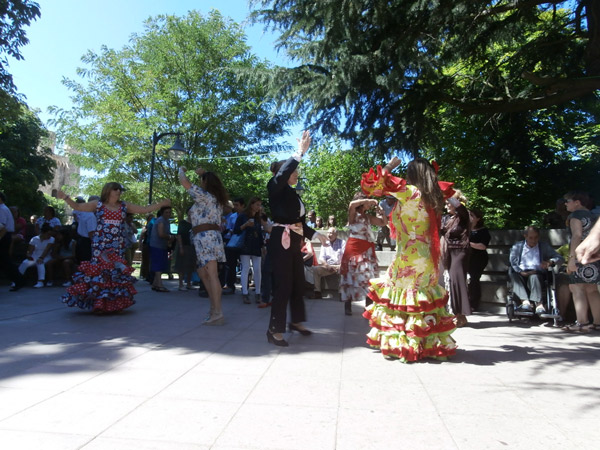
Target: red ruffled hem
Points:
(409, 354)
(113, 305)
(444, 325)
(423, 307)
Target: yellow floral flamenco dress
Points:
(408, 317)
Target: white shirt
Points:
(332, 254)
(86, 223)
(39, 246)
(530, 258)
(6, 219)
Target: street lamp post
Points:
(299, 187)
(176, 152)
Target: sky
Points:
(67, 29)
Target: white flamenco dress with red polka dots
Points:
(105, 283)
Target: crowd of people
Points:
(410, 313)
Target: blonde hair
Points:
(458, 195)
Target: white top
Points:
(86, 223)
(39, 246)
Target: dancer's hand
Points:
(304, 142)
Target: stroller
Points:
(513, 304)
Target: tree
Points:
(178, 75)
(375, 70)
(332, 176)
(25, 162)
(15, 15)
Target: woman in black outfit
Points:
(479, 239)
(285, 242)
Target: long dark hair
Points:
(214, 185)
(248, 210)
(420, 173)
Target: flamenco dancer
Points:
(408, 318)
(104, 284)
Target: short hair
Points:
(93, 197)
(531, 228)
(239, 200)
(45, 228)
(584, 198)
(2, 197)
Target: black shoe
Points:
(277, 342)
(348, 308)
(303, 332)
(228, 291)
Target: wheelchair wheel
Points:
(510, 309)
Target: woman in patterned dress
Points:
(359, 261)
(583, 278)
(205, 215)
(104, 284)
(408, 317)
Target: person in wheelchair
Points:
(529, 260)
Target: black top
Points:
(481, 236)
(283, 199)
(253, 241)
(183, 230)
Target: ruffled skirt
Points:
(102, 286)
(410, 323)
(354, 282)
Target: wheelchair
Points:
(513, 303)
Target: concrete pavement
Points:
(155, 378)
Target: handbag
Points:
(237, 241)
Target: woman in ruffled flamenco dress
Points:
(359, 262)
(408, 317)
(105, 284)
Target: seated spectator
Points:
(38, 254)
(311, 219)
(63, 256)
(310, 260)
(18, 237)
(319, 222)
(50, 218)
(329, 261)
(529, 259)
(331, 221)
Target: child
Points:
(38, 254)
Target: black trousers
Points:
(6, 265)
(83, 249)
(288, 280)
(478, 259)
(231, 256)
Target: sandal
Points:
(578, 327)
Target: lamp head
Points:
(177, 152)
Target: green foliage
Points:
(24, 164)
(504, 94)
(375, 70)
(180, 74)
(331, 177)
(15, 15)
